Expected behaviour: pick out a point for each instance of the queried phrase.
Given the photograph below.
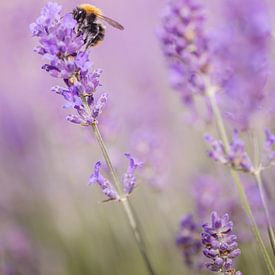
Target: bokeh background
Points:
(51, 221)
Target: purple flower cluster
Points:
(211, 193)
(189, 242)
(129, 179)
(185, 47)
(61, 46)
(220, 244)
(236, 156)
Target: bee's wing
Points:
(112, 22)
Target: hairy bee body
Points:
(87, 18)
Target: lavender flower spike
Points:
(220, 244)
(61, 45)
(105, 185)
(129, 179)
(185, 45)
(236, 156)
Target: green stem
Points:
(211, 93)
(258, 178)
(125, 202)
(257, 173)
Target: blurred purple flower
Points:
(217, 152)
(185, 47)
(189, 242)
(106, 187)
(100, 104)
(19, 256)
(212, 193)
(241, 69)
(270, 141)
(236, 156)
(129, 179)
(62, 47)
(220, 244)
(149, 140)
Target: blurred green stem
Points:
(125, 202)
(211, 93)
(257, 173)
(258, 177)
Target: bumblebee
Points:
(87, 17)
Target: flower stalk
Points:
(211, 92)
(62, 45)
(258, 176)
(134, 225)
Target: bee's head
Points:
(78, 14)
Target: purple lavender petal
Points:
(217, 152)
(76, 119)
(106, 187)
(243, 67)
(101, 102)
(129, 179)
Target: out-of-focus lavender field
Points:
(51, 220)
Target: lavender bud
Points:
(236, 156)
(106, 187)
(129, 180)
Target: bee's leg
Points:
(92, 34)
(81, 28)
(90, 42)
(101, 33)
(99, 36)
